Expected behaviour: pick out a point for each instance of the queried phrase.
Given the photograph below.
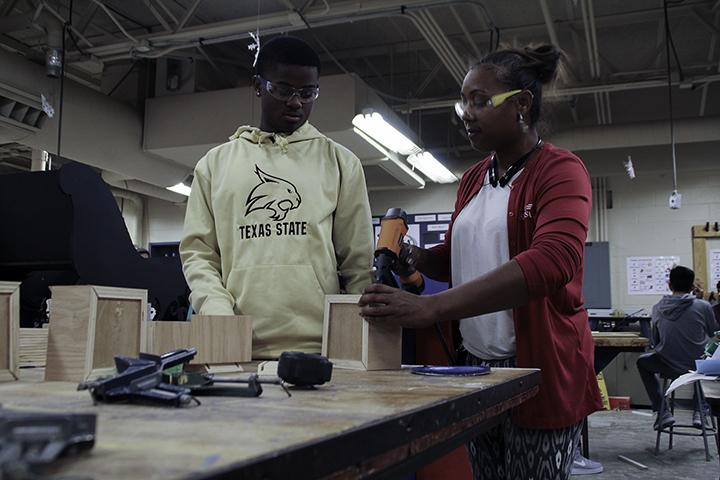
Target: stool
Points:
(704, 432)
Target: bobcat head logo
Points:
(274, 194)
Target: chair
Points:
(704, 432)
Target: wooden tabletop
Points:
(620, 339)
(361, 423)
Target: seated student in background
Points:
(279, 214)
(681, 324)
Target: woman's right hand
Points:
(409, 258)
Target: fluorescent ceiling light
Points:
(180, 188)
(429, 165)
(374, 126)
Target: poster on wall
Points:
(714, 269)
(649, 275)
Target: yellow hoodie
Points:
(271, 222)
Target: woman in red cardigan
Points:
(514, 256)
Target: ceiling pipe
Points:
(157, 16)
(435, 45)
(47, 8)
(549, 23)
(440, 46)
(572, 91)
(167, 11)
(188, 13)
(454, 55)
(590, 40)
(466, 32)
(115, 21)
(280, 21)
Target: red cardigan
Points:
(548, 213)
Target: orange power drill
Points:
(393, 228)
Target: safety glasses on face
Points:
(285, 92)
(478, 102)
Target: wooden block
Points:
(219, 339)
(89, 325)
(33, 347)
(350, 341)
(9, 326)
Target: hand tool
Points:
(393, 228)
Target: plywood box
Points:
(89, 325)
(219, 339)
(350, 341)
(9, 325)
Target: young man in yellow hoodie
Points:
(279, 214)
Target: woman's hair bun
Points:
(544, 60)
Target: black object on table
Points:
(32, 440)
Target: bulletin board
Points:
(706, 254)
(649, 275)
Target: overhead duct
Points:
(235, 29)
(176, 126)
(20, 114)
(97, 130)
(140, 187)
(688, 130)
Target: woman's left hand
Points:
(387, 304)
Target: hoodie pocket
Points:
(282, 299)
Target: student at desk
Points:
(279, 214)
(681, 326)
(514, 254)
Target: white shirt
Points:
(480, 245)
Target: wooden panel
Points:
(384, 347)
(700, 267)
(9, 325)
(89, 325)
(117, 330)
(345, 332)
(619, 339)
(4, 331)
(351, 342)
(219, 339)
(33, 344)
(70, 315)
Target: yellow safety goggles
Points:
(493, 102)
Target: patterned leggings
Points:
(507, 452)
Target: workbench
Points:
(609, 344)
(380, 424)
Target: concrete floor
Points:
(630, 434)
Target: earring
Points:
(257, 93)
(521, 122)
